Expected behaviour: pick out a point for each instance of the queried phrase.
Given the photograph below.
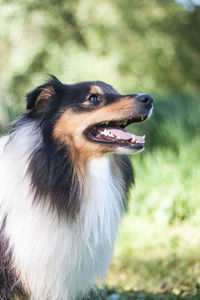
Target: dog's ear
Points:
(39, 98)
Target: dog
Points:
(65, 177)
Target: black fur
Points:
(32, 96)
(53, 176)
(128, 174)
(9, 283)
(127, 171)
(50, 165)
(70, 95)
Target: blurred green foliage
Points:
(137, 46)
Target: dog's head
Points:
(90, 117)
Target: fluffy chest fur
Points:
(62, 195)
(55, 259)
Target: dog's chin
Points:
(127, 150)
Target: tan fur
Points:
(45, 94)
(71, 126)
(70, 130)
(95, 89)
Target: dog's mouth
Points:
(114, 133)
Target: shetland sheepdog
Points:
(64, 179)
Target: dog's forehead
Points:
(106, 88)
(98, 87)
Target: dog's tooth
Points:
(133, 140)
(106, 132)
(142, 118)
(125, 122)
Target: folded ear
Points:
(39, 98)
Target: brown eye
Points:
(94, 99)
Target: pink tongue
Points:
(123, 135)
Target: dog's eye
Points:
(94, 99)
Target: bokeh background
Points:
(138, 47)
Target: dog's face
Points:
(89, 117)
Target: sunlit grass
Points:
(158, 249)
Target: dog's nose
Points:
(146, 99)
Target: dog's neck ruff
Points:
(56, 259)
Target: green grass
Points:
(158, 249)
(114, 294)
(157, 255)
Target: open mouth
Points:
(113, 132)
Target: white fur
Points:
(150, 112)
(55, 260)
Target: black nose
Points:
(146, 99)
